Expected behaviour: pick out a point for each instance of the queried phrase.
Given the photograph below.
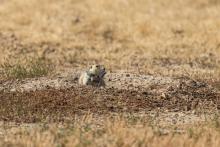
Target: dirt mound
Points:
(118, 79)
(58, 104)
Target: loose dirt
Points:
(59, 98)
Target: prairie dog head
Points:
(97, 70)
(93, 76)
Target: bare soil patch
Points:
(60, 103)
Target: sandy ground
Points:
(167, 101)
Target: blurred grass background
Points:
(171, 37)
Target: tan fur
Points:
(94, 76)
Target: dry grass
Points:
(168, 38)
(172, 38)
(32, 68)
(115, 131)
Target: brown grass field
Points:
(163, 80)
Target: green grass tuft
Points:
(34, 68)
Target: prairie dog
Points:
(94, 76)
